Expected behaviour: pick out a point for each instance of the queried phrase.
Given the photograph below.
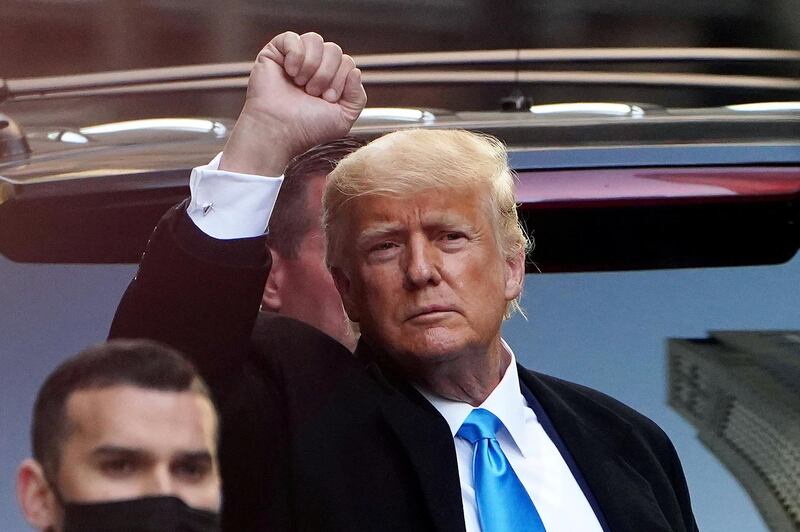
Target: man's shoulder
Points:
(592, 406)
(313, 376)
(287, 340)
(296, 355)
(596, 427)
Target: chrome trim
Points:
(758, 107)
(456, 77)
(196, 125)
(593, 108)
(397, 113)
(42, 86)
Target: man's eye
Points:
(118, 468)
(454, 238)
(191, 471)
(383, 246)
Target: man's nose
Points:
(422, 263)
(160, 482)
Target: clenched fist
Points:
(302, 91)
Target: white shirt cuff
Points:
(227, 205)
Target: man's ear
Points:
(271, 298)
(35, 496)
(515, 275)
(345, 288)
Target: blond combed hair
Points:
(410, 161)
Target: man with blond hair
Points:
(431, 425)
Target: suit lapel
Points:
(624, 496)
(429, 445)
(425, 436)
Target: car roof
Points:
(92, 193)
(162, 144)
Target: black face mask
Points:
(146, 514)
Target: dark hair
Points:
(141, 363)
(290, 219)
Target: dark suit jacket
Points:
(314, 438)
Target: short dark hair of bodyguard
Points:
(142, 363)
(290, 220)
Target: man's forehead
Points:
(126, 415)
(123, 392)
(436, 205)
(427, 218)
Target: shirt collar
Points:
(506, 402)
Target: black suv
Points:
(650, 221)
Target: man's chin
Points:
(435, 345)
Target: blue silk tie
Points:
(503, 503)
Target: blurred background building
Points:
(47, 37)
(59, 37)
(741, 390)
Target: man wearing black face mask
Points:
(125, 439)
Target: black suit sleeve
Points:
(681, 489)
(195, 293)
(655, 455)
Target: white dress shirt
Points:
(229, 205)
(532, 454)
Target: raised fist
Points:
(302, 92)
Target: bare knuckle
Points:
(312, 36)
(332, 47)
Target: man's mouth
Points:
(430, 312)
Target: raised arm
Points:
(200, 280)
